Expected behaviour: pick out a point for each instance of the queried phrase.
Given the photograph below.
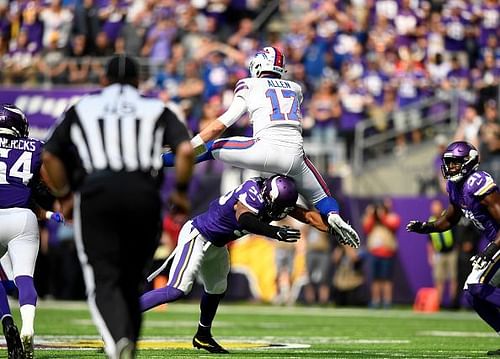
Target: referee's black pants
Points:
(117, 225)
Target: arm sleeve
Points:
(175, 131)
(251, 223)
(237, 108)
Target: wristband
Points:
(198, 145)
(48, 214)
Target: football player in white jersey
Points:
(277, 144)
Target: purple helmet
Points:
(459, 160)
(13, 122)
(280, 194)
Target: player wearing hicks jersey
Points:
(475, 195)
(21, 195)
(276, 145)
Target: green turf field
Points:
(258, 331)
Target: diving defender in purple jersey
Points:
(22, 196)
(202, 244)
(473, 194)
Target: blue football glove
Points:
(55, 216)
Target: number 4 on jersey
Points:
(278, 114)
(20, 169)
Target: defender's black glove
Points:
(287, 234)
(482, 259)
(420, 227)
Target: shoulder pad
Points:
(479, 184)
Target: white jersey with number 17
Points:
(274, 108)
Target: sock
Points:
(327, 205)
(169, 157)
(486, 292)
(208, 308)
(27, 291)
(487, 311)
(159, 296)
(4, 302)
(28, 318)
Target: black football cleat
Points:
(208, 343)
(14, 344)
(494, 352)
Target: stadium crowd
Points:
(354, 59)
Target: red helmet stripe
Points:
(278, 58)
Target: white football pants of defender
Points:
(19, 243)
(195, 255)
(487, 275)
(265, 155)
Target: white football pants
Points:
(20, 238)
(266, 156)
(195, 255)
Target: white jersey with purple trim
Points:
(274, 108)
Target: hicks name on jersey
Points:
(18, 144)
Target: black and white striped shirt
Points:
(116, 130)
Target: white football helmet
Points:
(267, 60)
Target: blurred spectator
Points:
(325, 110)
(53, 65)
(112, 17)
(489, 132)
(409, 82)
(380, 224)
(486, 79)
(442, 256)
(103, 48)
(33, 26)
(468, 127)
(318, 263)
(87, 23)
(349, 278)
(79, 65)
(21, 60)
(57, 23)
(159, 39)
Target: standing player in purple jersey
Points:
(277, 144)
(22, 196)
(473, 194)
(202, 244)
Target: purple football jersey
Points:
(219, 225)
(467, 196)
(20, 158)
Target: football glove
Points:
(419, 227)
(344, 233)
(481, 260)
(287, 234)
(55, 216)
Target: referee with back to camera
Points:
(106, 149)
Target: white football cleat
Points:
(344, 232)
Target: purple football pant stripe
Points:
(183, 263)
